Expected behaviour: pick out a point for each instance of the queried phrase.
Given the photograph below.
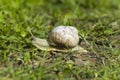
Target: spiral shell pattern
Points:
(64, 37)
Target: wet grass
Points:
(98, 23)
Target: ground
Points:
(98, 22)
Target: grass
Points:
(98, 23)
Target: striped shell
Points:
(63, 37)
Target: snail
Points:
(61, 38)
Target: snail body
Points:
(63, 37)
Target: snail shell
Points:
(63, 37)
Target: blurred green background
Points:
(98, 22)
